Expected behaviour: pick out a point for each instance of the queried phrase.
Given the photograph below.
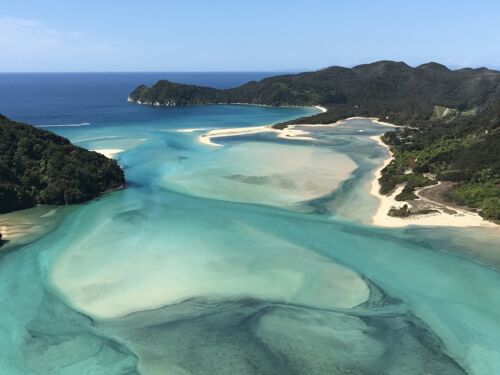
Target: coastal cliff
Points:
(40, 167)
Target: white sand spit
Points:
(110, 153)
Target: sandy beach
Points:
(462, 218)
(291, 132)
(219, 133)
(288, 133)
(110, 153)
(25, 225)
(191, 130)
(374, 119)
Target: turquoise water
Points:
(252, 258)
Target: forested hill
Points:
(39, 167)
(381, 89)
(453, 119)
(462, 151)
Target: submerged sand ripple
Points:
(262, 173)
(192, 261)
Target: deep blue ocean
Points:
(74, 98)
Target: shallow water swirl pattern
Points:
(252, 258)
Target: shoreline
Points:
(22, 226)
(290, 132)
(373, 119)
(191, 130)
(287, 133)
(110, 153)
(462, 218)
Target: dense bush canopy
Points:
(382, 89)
(39, 167)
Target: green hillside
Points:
(39, 167)
(450, 119)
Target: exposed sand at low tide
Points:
(191, 130)
(290, 132)
(219, 133)
(462, 218)
(263, 173)
(110, 153)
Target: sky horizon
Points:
(258, 36)
(289, 71)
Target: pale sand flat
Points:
(462, 218)
(287, 133)
(191, 130)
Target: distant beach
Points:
(462, 218)
(256, 245)
(287, 133)
(110, 153)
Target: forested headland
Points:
(40, 167)
(450, 119)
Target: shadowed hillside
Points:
(39, 167)
(382, 89)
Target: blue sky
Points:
(222, 35)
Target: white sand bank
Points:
(103, 275)
(110, 153)
(219, 133)
(290, 132)
(263, 173)
(192, 130)
(25, 225)
(374, 119)
(462, 218)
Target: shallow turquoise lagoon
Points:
(252, 258)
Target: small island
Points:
(448, 138)
(40, 167)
